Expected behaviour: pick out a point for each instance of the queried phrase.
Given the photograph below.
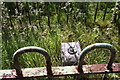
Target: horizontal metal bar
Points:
(60, 71)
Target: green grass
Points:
(50, 40)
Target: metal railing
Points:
(50, 71)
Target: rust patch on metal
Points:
(60, 71)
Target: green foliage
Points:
(50, 25)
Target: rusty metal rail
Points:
(95, 46)
(31, 49)
(49, 71)
(60, 71)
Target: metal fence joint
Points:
(31, 49)
(95, 46)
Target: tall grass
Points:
(51, 38)
(51, 41)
